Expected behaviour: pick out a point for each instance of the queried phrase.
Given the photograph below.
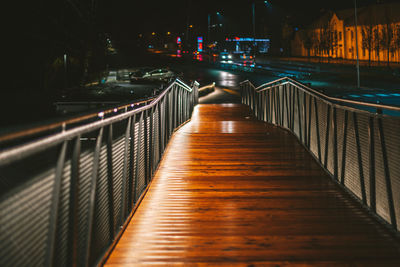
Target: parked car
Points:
(137, 75)
(155, 75)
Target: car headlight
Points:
(223, 57)
(230, 56)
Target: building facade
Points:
(334, 35)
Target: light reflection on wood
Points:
(235, 191)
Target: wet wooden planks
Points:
(235, 191)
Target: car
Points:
(137, 75)
(225, 57)
(245, 59)
(154, 75)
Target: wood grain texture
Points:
(232, 190)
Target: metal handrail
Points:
(325, 97)
(358, 148)
(62, 124)
(65, 196)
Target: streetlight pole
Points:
(356, 27)
(187, 24)
(65, 72)
(254, 29)
(208, 28)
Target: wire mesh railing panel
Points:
(65, 196)
(314, 130)
(61, 254)
(83, 201)
(118, 149)
(322, 126)
(25, 210)
(341, 147)
(363, 133)
(141, 173)
(391, 130)
(103, 217)
(360, 149)
(351, 174)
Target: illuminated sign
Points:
(178, 40)
(237, 39)
(200, 44)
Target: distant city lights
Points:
(200, 44)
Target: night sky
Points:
(127, 18)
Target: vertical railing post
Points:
(292, 105)
(138, 149)
(51, 240)
(92, 197)
(299, 115)
(304, 110)
(132, 161)
(146, 147)
(328, 123)
(342, 176)
(372, 190)
(151, 143)
(317, 130)
(160, 131)
(74, 206)
(335, 144)
(110, 181)
(286, 96)
(125, 172)
(309, 120)
(359, 157)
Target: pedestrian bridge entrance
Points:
(288, 177)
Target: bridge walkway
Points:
(232, 190)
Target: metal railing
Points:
(353, 141)
(65, 196)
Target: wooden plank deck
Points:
(235, 191)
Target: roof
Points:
(374, 14)
(369, 15)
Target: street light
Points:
(254, 26)
(209, 24)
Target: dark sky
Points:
(124, 18)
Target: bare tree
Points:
(326, 39)
(367, 40)
(396, 39)
(377, 41)
(387, 40)
(388, 35)
(309, 40)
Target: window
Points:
(352, 35)
(340, 36)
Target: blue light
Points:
(368, 95)
(384, 95)
(355, 96)
(246, 40)
(395, 94)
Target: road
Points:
(377, 86)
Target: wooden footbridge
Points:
(287, 178)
